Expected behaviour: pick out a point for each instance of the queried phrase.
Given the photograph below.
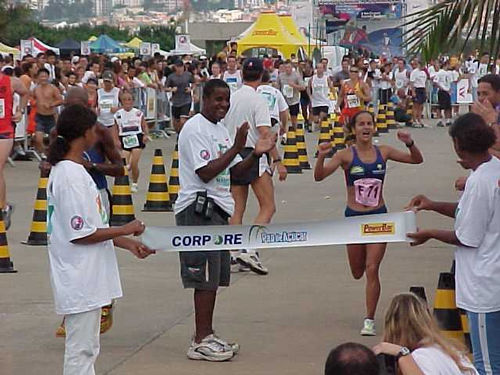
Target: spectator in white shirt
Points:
(418, 79)
(477, 237)
(442, 80)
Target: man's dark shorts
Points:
(420, 95)
(182, 111)
(204, 270)
(294, 109)
(444, 100)
(320, 109)
(251, 174)
(44, 123)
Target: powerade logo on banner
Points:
(200, 240)
(374, 229)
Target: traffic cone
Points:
(391, 120)
(410, 107)
(324, 136)
(173, 181)
(338, 135)
(38, 233)
(157, 198)
(370, 108)
(465, 328)
(6, 265)
(122, 208)
(302, 148)
(291, 155)
(300, 118)
(381, 120)
(419, 291)
(445, 311)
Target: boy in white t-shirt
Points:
(477, 237)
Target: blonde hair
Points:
(409, 323)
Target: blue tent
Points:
(104, 44)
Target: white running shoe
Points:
(368, 328)
(134, 188)
(209, 349)
(237, 267)
(252, 261)
(233, 346)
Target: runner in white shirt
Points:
(386, 83)
(83, 268)
(443, 80)
(318, 88)
(232, 76)
(108, 100)
(133, 133)
(402, 76)
(478, 70)
(278, 108)
(477, 237)
(248, 106)
(418, 79)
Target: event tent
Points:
(193, 50)
(68, 46)
(104, 44)
(134, 43)
(92, 38)
(6, 50)
(39, 46)
(268, 32)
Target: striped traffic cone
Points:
(291, 155)
(445, 311)
(302, 148)
(419, 291)
(173, 181)
(465, 328)
(6, 265)
(157, 198)
(122, 208)
(338, 135)
(391, 120)
(409, 110)
(38, 233)
(324, 137)
(381, 120)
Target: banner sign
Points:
(361, 10)
(464, 95)
(26, 48)
(155, 47)
(145, 49)
(182, 43)
(391, 227)
(85, 48)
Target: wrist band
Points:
(411, 144)
(277, 160)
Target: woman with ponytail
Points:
(83, 268)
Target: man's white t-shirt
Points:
(105, 101)
(201, 141)
(320, 91)
(401, 78)
(478, 70)
(386, 85)
(275, 100)
(83, 277)
(129, 122)
(443, 78)
(233, 80)
(477, 227)
(433, 361)
(418, 78)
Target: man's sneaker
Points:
(237, 267)
(252, 261)
(368, 328)
(134, 188)
(440, 124)
(233, 346)
(448, 123)
(209, 349)
(106, 318)
(6, 215)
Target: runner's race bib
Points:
(105, 105)
(320, 90)
(271, 100)
(131, 141)
(2, 108)
(353, 101)
(288, 91)
(399, 83)
(367, 191)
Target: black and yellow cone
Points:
(419, 291)
(157, 198)
(410, 107)
(291, 154)
(6, 265)
(122, 208)
(173, 181)
(338, 135)
(301, 147)
(381, 120)
(38, 232)
(466, 329)
(324, 137)
(370, 108)
(390, 119)
(445, 311)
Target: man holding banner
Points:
(207, 157)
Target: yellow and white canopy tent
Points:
(6, 50)
(134, 43)
(268, 32)
(92, 38)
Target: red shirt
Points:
(6, 99)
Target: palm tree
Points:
(452, 23)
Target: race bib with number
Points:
(353, 101)
(399, 83)
(131, 141)
(271, 99)
(2, 108)
(367, 191)
(288, 91)
(105, 105)
(320, 89)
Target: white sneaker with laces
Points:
(233, 346)
(134, 188)
(252, 261)
(368, 328)
(209, 349)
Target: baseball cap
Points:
(107, 76)
(253, 64)
(75, 59)
(114, 58)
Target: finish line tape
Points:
(391, 227)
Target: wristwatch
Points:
(403, 352)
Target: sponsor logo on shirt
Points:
(77, 222)
(374, 229)
(357, 170)
(204, 154)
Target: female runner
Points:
(364, 165)
(354, 93)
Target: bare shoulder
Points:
(385, 150)
(345, 156)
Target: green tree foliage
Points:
(71, 11)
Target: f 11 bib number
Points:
(367, 191)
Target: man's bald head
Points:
(77, 95)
